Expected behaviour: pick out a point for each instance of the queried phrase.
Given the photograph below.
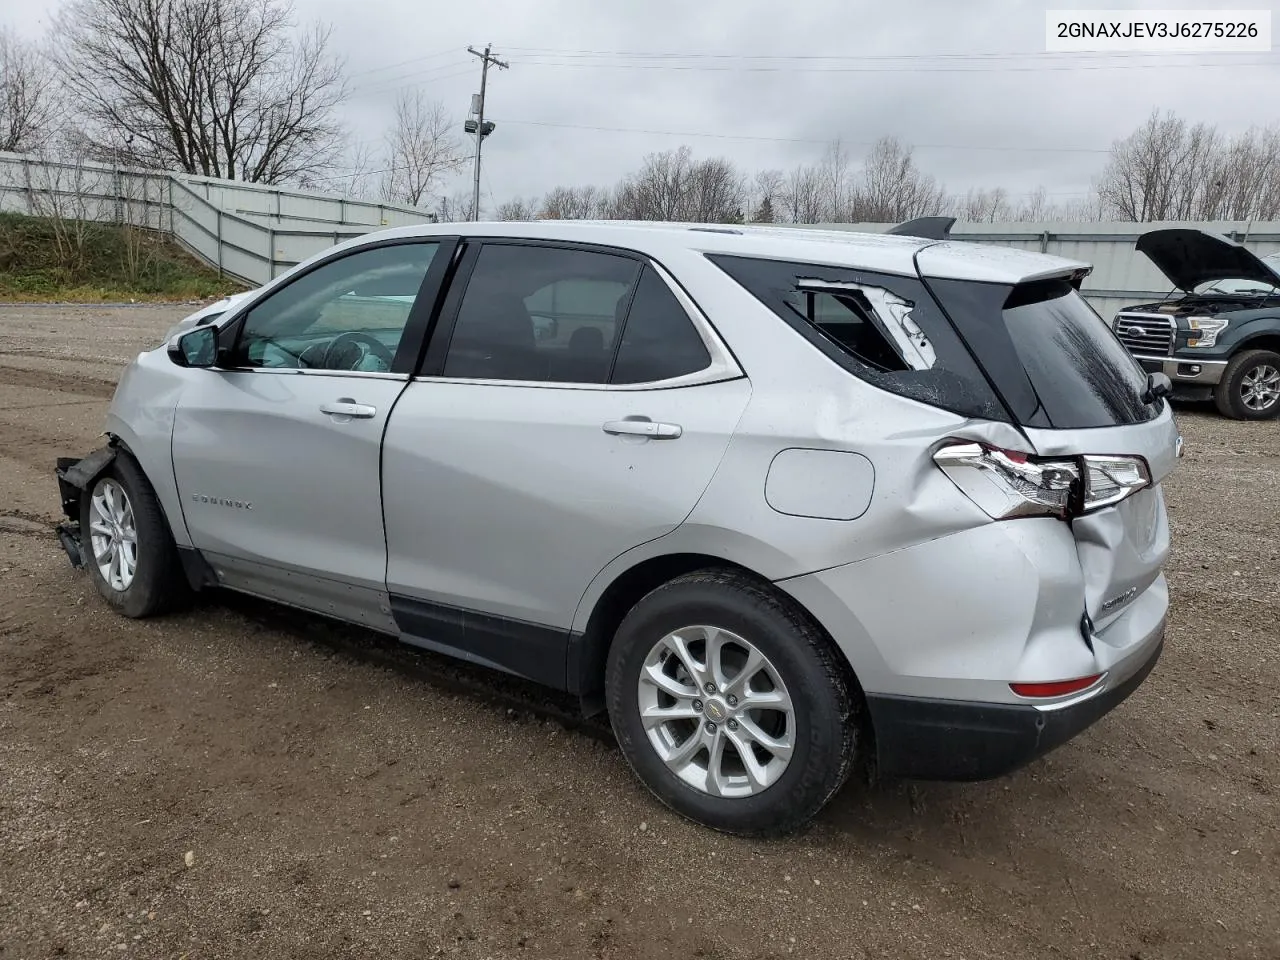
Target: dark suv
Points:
(1219, 337)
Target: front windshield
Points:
(1237, 286)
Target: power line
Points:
(824, 140)
(401, 63)
(906, 68)
(859, 58)
(386, 84)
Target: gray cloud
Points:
(1030, 107)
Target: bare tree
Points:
(984, 206)
(1157, 171)
(421, 150)
(360, 177)
(455, 207)
(28, 109)
(517, 209)
(766, 189)
(893, 188)
(222, 88)
(802, 196)
(575, 203)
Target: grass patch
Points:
(56, 260)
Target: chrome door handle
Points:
(643, 427)
(346, 407)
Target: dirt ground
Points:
(232, 782)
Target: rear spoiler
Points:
(928, 228)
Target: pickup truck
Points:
(1217, 336)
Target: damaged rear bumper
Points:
(919, 738)
(74, 476)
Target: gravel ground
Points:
(234, 783)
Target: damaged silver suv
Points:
(776, 500)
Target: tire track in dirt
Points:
(56, 382)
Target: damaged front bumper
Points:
(74, 476)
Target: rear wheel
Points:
(730, 705)
(128, 550)
(1250, 386)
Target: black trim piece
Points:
(426, 305)
(584, 670)
(528, 650)
(76, 473)
(919, 738)
(437, 347)
(926, 228)
(198, 572)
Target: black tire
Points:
(158, 583)
(1228, 395)
(826, 732)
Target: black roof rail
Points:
(930, 228)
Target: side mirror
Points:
(195, 348)
(1158, 385)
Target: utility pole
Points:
(478, 125)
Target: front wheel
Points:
(1250, 386)
(127, 547)
(730, 705)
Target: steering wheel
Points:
(334, 359)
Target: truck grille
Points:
(1146, 334)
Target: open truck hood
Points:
(1192, 257)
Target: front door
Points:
(578, 413)
(276, 453)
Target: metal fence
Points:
(244, 230)
(253, 232)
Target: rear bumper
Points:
(921, 738)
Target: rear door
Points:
(573, 405)
(276, 452)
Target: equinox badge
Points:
(222, 501)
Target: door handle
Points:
(643, 427)
(346, 407)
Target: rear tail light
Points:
(1007, 483)
(1055, 688)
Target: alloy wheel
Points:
(113, 534)
(1260, 387)
(716, 711)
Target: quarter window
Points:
(659, 340)
(349, 314)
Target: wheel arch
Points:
(1267, 340)
(625, 587)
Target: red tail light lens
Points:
(1056, 688)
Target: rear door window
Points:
(540, 313)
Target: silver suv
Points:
(778, 500)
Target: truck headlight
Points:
(1205, 330)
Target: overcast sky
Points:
(1018, 119)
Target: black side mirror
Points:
(1158, 385)
(195, 348)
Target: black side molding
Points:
(918, 738)
(530, 650)
(929, 228)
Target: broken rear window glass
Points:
(886, 330)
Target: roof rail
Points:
(929, 228)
